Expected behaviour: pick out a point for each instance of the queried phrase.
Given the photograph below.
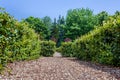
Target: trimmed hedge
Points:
(101, 45)
(47, 48)
(58, 49)
(27, 46)
(17, 41)
(66, 49)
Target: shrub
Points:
(101, 45)
(58, 49)
(66, 49)
(17, 41)
(26, 45)
(47, 48)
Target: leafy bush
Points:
(101, 45)
(58, 49)
(66, 49)
(17, 41)
(27, 45)
(47, 48)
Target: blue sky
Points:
(53, 8)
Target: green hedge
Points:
(27, 46)
(17, 41)
(47, 48)
(66, 49)
(58, 49)
(101, 45)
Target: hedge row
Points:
(17, 41)
(47, 48)
(66, 49)
(101, 45)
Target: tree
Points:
(61, 27)
(47, 21)
(54, 31)
(57, 30)
(102, 16)
(117, 13)
(38, 25)
(79, 22)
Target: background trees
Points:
(102, 16)
(101, 45)
(39, 26)
(57, 30)
(47, 21)
(79, 22)
(21, 40)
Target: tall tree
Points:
(38, 25)
(117, 13)
(47, 21)
(102, 16)
(57, 30)
(54, 31)
(79, 22)
(61, 27)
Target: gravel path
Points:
(57, 54)
(58, 68)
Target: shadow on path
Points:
(115, 71)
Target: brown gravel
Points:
(58, 68)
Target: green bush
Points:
(47, 48)
(17, 41)
(27, 45)
(58, 49)
(101, 45)
(66, 49)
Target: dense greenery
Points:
(66, 49)
(17, 41)
(38, 25)
(79, 22)
(101, 17)
(100, 45)
(47, 48)
(83, 35)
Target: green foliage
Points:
(38, 25)
(17, 41)
(58, 49)
(101, 17)
(101, 45)
(66, 49)
(47, 21)
(57, 30)
(54, 31)
(79, 22)
(7, 36)
(27, 46)
(47, 48)
(61, 26)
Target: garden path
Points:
(59, 68)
